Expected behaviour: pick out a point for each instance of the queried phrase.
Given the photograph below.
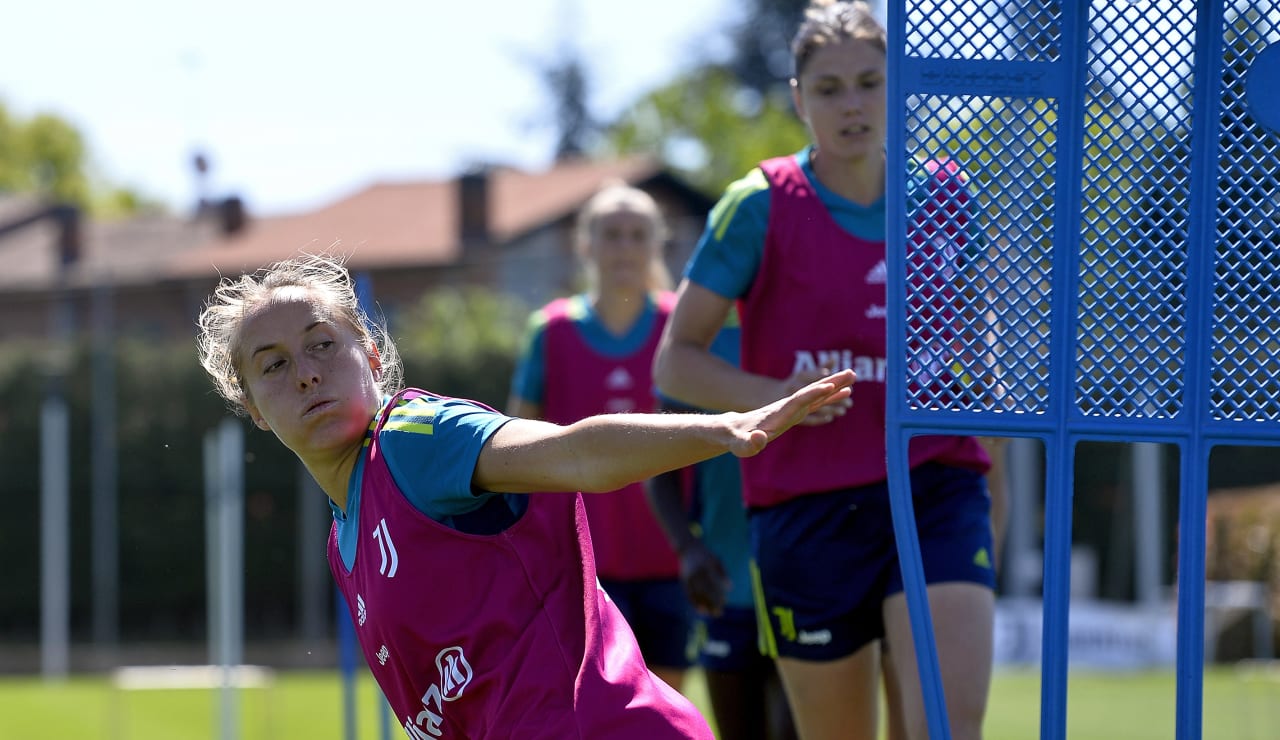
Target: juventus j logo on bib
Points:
(387, 548)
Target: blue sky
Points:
(298, 103)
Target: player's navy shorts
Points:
(660, 616)
(824, 563)
(729, 642)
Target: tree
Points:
(567, 80)
(762, 44)
(722, 118)
(708, 127)
(46, 155)
(464, 339)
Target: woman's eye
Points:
(326, 344)
(272, 367)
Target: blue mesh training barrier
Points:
(1108, 269)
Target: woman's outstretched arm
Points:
(607, 452)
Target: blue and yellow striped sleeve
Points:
(431, 446)
(732, 243)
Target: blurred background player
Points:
(708, 529)
(593, 353)
(799, 244)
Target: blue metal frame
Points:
(1063, 426)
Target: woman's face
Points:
(623, 242)
(840, 96)
(307, 375)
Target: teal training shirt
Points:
(529, 381)
(431, 445)
(728, 253)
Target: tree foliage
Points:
(708, 127)
(43, 154)
(566, 79)
(718, 120)
(762, 44)
(575, 125)
(567, 82)
(46, 155)
(462, 341)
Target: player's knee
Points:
(966, 721)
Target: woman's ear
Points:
(375, 363)
(257, 418)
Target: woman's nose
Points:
(307, 375)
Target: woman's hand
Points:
(816, 402)
(826, 412)
(705, 581)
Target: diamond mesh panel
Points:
(985, 345)
(1132, 301)
(1246, 333)
(1135, 297)
(995, 356)
(1023, 30)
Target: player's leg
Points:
(820, 583)
(895, 722)
(837, 699)
(962, 615)
(738, 713)
(780, 723)
(746, 695)
(953, 521)
(725, 647)
(673, 676)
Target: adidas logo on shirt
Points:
(879, 274)
(619, 379)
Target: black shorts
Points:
(660, 617)
(730, 642)
(823, 564)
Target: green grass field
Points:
(1139, 706)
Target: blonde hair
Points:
(827, 22)
(326, 278)
(617, 196)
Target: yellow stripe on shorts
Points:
(768, 643)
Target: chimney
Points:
(228, 215)
(70, 236)
(473, 205)
(231, 215)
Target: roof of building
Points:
(384, 225)
(412, 223)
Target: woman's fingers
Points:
(832, 391)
